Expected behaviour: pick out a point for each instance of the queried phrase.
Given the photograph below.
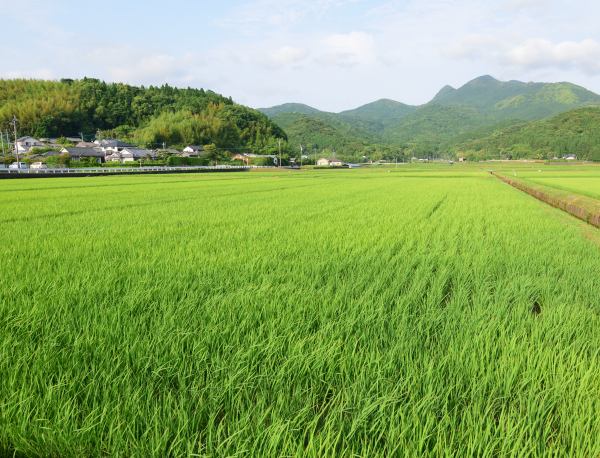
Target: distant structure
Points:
(192, 151)
(247, 158)
(131, 154)
(85, 152)
(330, 162)
(24, 144)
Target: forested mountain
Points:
(483, 118)
(453, 117)
(298, 108)
(380, 114)
(151, 115)
(574, 132)
(324, 131)
(514, 99)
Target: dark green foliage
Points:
(290, 108)
(452, 118)
(516, 100)
(176, 161)
(322, 131)
(379, 114)
(574, 132)
(153, 114)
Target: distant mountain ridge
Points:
(573, 132)
(453, 115)
(299, 108)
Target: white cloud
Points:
(288, 55)
(333, 54)
(475, 47)
(349, 49)
(539, 53)
(279, 13)
(37, 73)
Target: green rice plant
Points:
(393, 312)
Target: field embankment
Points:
(582, 207)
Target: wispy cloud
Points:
(334, 54)
(348, 49)
(539, 53)
(279, 13)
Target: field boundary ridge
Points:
(582, 207)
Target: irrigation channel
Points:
(566, 204)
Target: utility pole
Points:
(301, 153)
(279, 142)
(2, 141)
(14, 124)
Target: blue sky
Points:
(331, 54)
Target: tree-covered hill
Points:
(299, 108)
(380, 114)
(515, 99)
(325, 131)
(453, 117)
(574, 132)
(152, 114)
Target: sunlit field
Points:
(399, 311)
(587, 184)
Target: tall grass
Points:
(374, 313)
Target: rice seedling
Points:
(374, 313)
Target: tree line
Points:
(148, 115)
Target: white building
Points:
(135, 154)
(330, 162)
(110, 145)
(24, 144)
(192, 150)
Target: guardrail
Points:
(123, 169)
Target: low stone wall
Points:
(571, 204)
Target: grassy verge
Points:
(582, 207)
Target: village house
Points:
(86, 145)
(330, 162)
(131, 154)
(24, 144)
(110, 146)
(113, 157)
(192, 151)
(78, 153)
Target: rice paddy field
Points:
(413, 311)
(584, 183)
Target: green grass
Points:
(584, 184)
(323, 313)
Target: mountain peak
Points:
(483, 81)
(444, 92)
(382, 111)
(486, 78)
(289, 108)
